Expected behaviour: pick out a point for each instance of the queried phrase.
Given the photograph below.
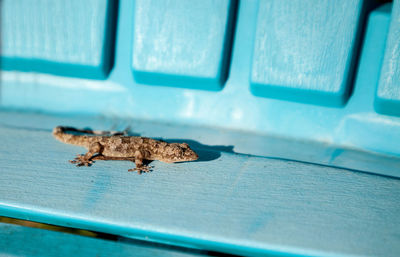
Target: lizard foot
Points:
(80, 160)
(140, 169)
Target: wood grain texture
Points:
(388, 92)
(70, 38)
(182, 43)
(234, 203)
(304, 50)
(356, 125)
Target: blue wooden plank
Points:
(305, 50)
(388, 92)
(216, 139)
(182, 43)
(230, 202)
(24, 241)
(67, 37)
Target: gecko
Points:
(122, 147)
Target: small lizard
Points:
(120, 147)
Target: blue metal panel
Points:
(305, 50)
(388, 92)
(65, 37)
(182, 43)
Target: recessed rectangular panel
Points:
(304, 50)
(387, 99)
(63, 37)
(182, 43)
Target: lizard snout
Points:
(58, 129)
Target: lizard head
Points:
(175, 152)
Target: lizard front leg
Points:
(140, 167)
(86, 159)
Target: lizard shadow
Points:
(205, 152)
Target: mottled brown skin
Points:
(119, 147)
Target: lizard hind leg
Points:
(86, 159)
(140, 166)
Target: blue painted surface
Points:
(226, 202)
(67, 37)
(355, 126)
(305, 50)
(23, 241)
(182, 43)
(388, 91)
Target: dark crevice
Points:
(111, 237)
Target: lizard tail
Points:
(61, 134)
